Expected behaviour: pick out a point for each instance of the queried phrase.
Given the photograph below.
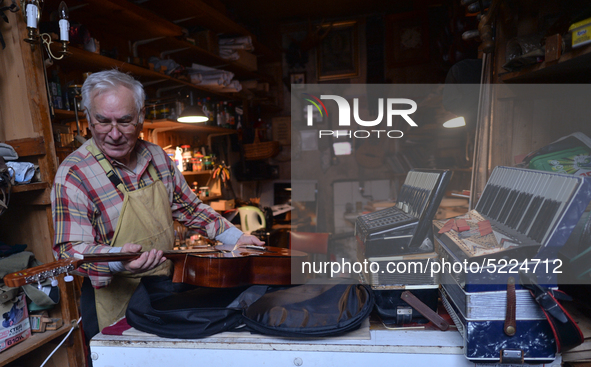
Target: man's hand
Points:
(247, 239)
(147, 261)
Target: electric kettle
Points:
(251, 219)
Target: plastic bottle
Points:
(178, 158)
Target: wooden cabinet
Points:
(25, 124)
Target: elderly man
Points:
(118, 193)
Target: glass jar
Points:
(207, 163)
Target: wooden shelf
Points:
(202, 15)
(192, 53)
(30, 344)
(126, 19)
(30, 187)
(153, 21)
(29, 146)
(211, 198)
(178, 126)
(66, 115)
(196, 173)
(572, 67)
(95, 62)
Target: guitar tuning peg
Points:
(53, 282)
(68, 278)
(39, 286)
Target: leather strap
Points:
(510, 326)
(424, 310)
(565, 329)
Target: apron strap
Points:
(111, 175)
(153, 173)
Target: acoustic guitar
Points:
(206, 267)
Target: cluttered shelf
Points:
(571, 67)
(32, 342)
(186, 53)
(96, 62)
(208, 16)
(155, 29)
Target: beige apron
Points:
(145, 219)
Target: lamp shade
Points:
(192, 115)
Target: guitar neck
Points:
(46, 271)
(127, 256)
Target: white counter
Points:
(363, 348)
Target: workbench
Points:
(367, 347)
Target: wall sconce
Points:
(192, 114)
(32, 16)
(455, 122)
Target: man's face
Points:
(117, 105)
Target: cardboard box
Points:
(581, 32)
(15, 326)
(247, 60)
(223, 204)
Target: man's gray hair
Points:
(108, 80)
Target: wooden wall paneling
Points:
(24, 224)
(523, 124)
(36, 94)
(480, 166)
(502, 138)
(24, 114)
(544, 126)
(575, 110)
(14, 114)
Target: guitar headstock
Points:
(40, 273)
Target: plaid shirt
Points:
(86, 205)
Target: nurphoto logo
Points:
(344, 109)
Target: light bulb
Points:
(32, 12)
(64, 23)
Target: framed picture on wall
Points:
(297, 80)
(407, 39)
(338, 53)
